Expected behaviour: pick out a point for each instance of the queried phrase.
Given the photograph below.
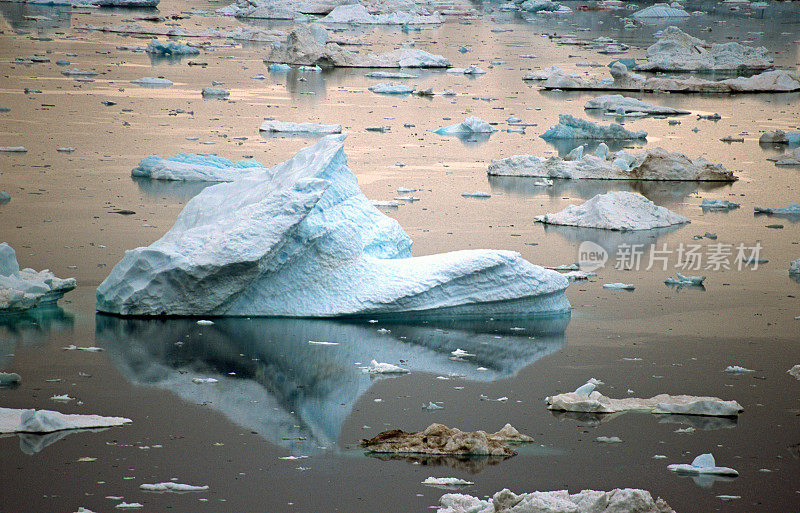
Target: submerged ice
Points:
(301, 239)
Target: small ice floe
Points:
(793, 209)
(88, 349)
(75, 72)
(357, 14)
(703, 464)
(47, 421)
(469, 70)
(476, 194)
(292, 458)
(170, 486)
(279, 68)
(68, 149)
(322, 343)
(63, 398)
(735, 369)
(617, 103)
(432, 406)
(129, 505)
(152, 82)
(384, 368)
(661, 11)
(609, 439)
(587, 399)
(544, 74)
(390, 75)
(619, 286)
(617, 210)
(215, 92)
(9, 379)
(204, 322)
(446, 482)
(440, 439)
(460, 353)
(305, 128)
(794, 371)
(685, 280)
(172, 48)
(5, 197)
(779, 137)
(471, 125)
(13, 149)
(203, 381)
(685, 431)
(391, 88)
(791, 158)
(729, 497)
(708, 204)
(570, 127)
(560, 501)
(794, 267)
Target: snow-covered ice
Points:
(652, 164)
(171, 486)
(376, 367)
(46, 421)
(620, 104)
(391, 88)
(22, 289)
(439, 439)
(305, 128)
(192, 167)
(447, 482)
(587, 399)
(676, 50)
(703, 464)
(617, 210)
(661, 11)
(471, 125)
(570, 127)
(626, 500)
(736, 369)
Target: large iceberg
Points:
(628, 500)
(586, 399)
(619, 210)
(661, 11)
(676, 50)
(309, 46)
(193, 168)
(357, 14)
(570, 127)
(622, 105)
(22, 289)
(652, 164)
(301, 239)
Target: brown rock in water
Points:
(440, 439)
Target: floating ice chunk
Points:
(794, 267)
(544, 74)
(471, 125)
(439, 439)
(8, 379)
(390, 74)
(685, 280)
(795, 371)
(300, 239)
(708, 204)
(89, 349)
(390, 88)
(793, 209)
(460, 353)
(609, 439)
(703, 464)
(170, 486)
(595, 402)
(322, 343)
(619, 286)
(204, 381)
(279, 68)
(306, 128)
(303, 48)
(357, 14)
(13, 149)
(384, 368)
(735, 369)
(661, 11)
(5, 197)
(561, 501)
(215, 92)
(204, 322)
(156, 47)
(22, 289)
(538, 5)
(618, 103)
(432, 406)
(780, 137)
(447, 482)
(152, 82)
(47, 421)
(476, 194)
(129, 505)
(618, 210)
(789, 159)
(75, 72)
(585, 389)
(676, 50)
(192, 167)
(469, 70)
(570, 127)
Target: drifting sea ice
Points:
(586, 399)
(304, 128)
(708, 204)
(22, 289)
(792, 209)
(47, 421)
(618, 103)
(194, 168)
(447, 482)
(338, 256)
(661, 11)
(376, 367)
(156, 47)
(570, 127)
(357, 14)
(794, 371)
(735, 369)
(619, 286)
(685, 280)
(561, 501)
(618, 210)
(703, 464)
(471, 125)
(391, 88)
(794, 267)
(170, 486)
(152, 82)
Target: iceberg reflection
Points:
(297, 395)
